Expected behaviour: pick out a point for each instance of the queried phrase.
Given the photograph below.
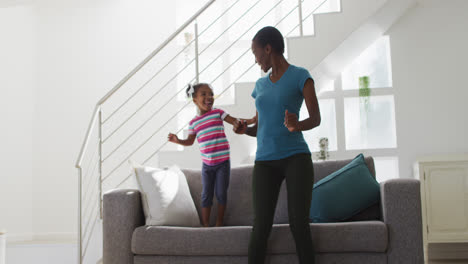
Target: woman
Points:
(282, 152)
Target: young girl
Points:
(208, 128)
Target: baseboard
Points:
(42, 238)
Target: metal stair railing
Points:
(90, 201)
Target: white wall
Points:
(84, 49)
(58, 58)
(16, 109)
(429, 58)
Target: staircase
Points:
(132, 121)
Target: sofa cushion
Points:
(365, 236)
(344, 193)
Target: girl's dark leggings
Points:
(266, 182)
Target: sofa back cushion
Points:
(239, 210)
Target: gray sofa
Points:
(389, 232)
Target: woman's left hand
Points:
(291, 122)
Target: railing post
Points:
(197, 72)
(301, 32)
(100, 162)
(80, 238)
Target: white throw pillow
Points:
(166, 196)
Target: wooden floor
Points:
(448, 253)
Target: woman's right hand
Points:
(173, 138)
(240, 126)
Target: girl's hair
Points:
(272, 36)
(195, 89)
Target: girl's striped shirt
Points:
(211, 138)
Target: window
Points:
(365, 123)
(373, 62)
(372, 127)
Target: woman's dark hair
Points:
(195, 88)
(272, 36)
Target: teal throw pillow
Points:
(344, 193)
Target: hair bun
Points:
(190, 90)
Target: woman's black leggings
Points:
(267, 178)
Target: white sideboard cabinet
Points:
(444, 198)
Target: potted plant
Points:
(364, 91)
(364, 105)
(323, 145)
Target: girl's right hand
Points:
(173, 138)
(240, 126)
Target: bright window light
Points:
(373, 62)
(372, 126)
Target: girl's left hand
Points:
(291, 122)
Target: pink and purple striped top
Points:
(209, 128)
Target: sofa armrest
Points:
(122, 213)
(401, 212)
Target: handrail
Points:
(88, 134)
(126, 78)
